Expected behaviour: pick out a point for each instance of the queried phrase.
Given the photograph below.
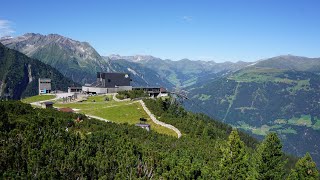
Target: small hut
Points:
(47, 105)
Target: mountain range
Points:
(279, 94)
(182, 73)
(76, 60)
(79, 61)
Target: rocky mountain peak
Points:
(31, 43)
(60, 52)
(134, 58)
(143, 57)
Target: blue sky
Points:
(219, 30)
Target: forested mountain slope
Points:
(19, 75)
(47, 144)
(263, 100)
(76, 60)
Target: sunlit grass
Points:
(119, 112)
(38, 98)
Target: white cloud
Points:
(6, 28)
(187, 18)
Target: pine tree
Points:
(234, 163)
(305, 168)
(269, 159)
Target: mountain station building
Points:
(109, 83)
(115, 82)
(44, 86)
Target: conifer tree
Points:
(269, 159)
(305, 168)
(234, 163)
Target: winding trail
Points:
(154, 119)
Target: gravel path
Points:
(154, 119)
(118, 100)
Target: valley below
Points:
(264, 100)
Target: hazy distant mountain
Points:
(291, 62)
(141, 75)
(185, 72)
(135, 58)
(19, 74)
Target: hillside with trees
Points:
(75, 60)
(19, 75)
(47, 144)
(264, 100)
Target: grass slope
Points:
(119, 112)
(37, 98)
